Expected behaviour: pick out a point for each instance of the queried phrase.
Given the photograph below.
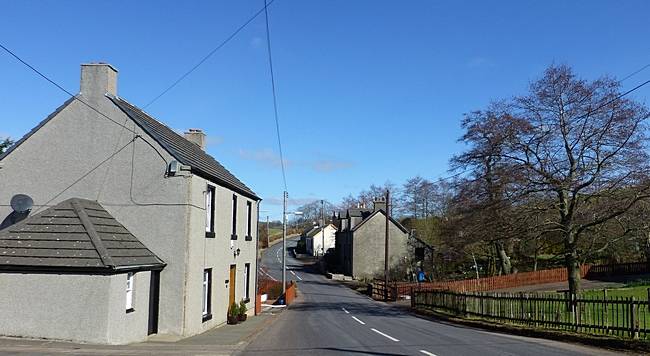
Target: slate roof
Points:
(75, 235)
(317, 230)
(359, 212)
(380, 211)
(186, 152)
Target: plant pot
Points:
(243, 317)
(233, 319)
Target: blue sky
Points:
(368, 91)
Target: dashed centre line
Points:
(359, 321)
(384, 335)
(427, 353)
(297, 276)
(346, 312)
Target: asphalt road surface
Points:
(330, 319)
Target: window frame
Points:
(210, 194)
(233, 235)
(247, 278)
(130, 291)
(206, 300)
(249, 223)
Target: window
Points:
(129, 291)
(234, 218)
(207, 294)
(419, 253)
(247, 278)
(249, 217)
(209, 212)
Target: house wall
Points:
(344, 251)
(368, 246)
(63, 160)
(55, 306)
(315, 246)
(81, 154)
(218, 253)
(123, 327)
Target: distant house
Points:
(314, 239)
(133, 177)
(360, 241)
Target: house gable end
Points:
(38, 127)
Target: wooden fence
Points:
(378, 290)
(600, 271)
(595, 315)
(525, 278)
(493, 283)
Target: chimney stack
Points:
(379, 203)
(196, 136)
(98, 79)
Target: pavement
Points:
(224, 340)
(330, 319)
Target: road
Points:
(330, 319)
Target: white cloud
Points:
(330, 165)
(290, 201)
(266, 157)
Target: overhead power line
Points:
(213, 51)
(75, 97)
(275, 98)
(634, 73)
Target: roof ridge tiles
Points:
(92, 233)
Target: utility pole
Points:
(386, 246)
(284, 245)
(322, 225)
(268, 238)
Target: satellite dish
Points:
(22, 203)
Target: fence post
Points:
(412, 298)
(605, 314)
(634, 333)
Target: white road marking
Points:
(346, 312)
(297, 276)
(384, 335)
(266, 273)
(427, 353)
(360, 322)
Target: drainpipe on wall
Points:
(257, 254)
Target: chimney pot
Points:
(196, 136)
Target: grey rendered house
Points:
(360, 241)
(194, 217)
(79, 272)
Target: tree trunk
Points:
(572, 266)
(504, 260)
(647, 248)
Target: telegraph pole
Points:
(322, 223)
(284, 245)
(268, 238)
(386, 246)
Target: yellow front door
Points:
(233, 284)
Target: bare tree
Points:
(573, 146)
(6, 143)
(484, 197)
